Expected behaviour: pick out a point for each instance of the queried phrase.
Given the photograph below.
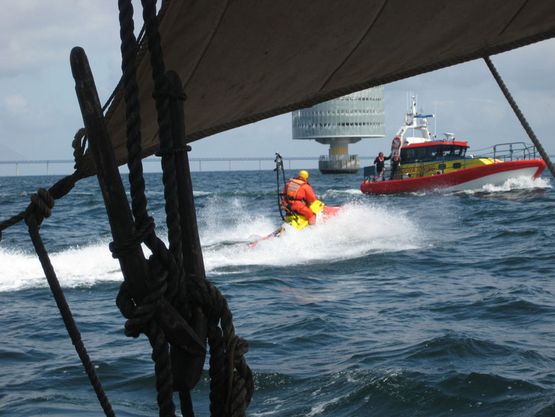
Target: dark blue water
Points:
(440, 304)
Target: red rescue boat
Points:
(428, 164)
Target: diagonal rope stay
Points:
(41, 205)
(519, 115)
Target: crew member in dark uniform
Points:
(395, 160)
(380, 166)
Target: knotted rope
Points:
(231, 379)
(195, 299)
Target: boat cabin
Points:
(431, 151)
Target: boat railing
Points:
(510, 151)
(338, 158)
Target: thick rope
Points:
(57, 191)
(141, 320)
(162, 93)
(227, 352)
(217, 370)
(60, 188)
(519, 115)
(132, 111)
(41, 207)
(79, 143)
(129, 49)
(129, 52)
(231, 379)
(162, 107)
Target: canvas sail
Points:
(246, 60)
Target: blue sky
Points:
(39, 112)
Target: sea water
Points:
(431, 304)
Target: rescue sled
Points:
(322, 212)
(300, 222)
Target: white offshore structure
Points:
(338, 123)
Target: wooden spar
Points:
(192, 252)
(187, 370)
(131, 258)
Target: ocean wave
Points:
(74, 267)
(395, 391)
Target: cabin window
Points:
(432, 153)
(408, 155)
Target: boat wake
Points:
(512, 184)
(358, 230)
(75, 267)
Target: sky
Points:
(39, 113)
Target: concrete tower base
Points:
(338, 160)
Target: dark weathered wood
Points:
(131, 258)
(192, 251)
(187, 370)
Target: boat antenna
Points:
(435, 120)
(279, 171)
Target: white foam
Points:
(227, 220)
(517, 183)
(350, 191)
(358, 230)
(74, 267)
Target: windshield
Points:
(432, 153)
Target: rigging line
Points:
(519, 115)
(368, 29)
(208, 42)
(120, 82)
(66, 314)
(58, 190)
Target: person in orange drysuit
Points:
(298, 195)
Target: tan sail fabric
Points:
(246, 60)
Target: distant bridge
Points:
(223, 163)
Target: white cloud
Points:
(16, 104)
(38, 33)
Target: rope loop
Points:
(140, 315)
(122, 247)
(43, 202)
(79, 143)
